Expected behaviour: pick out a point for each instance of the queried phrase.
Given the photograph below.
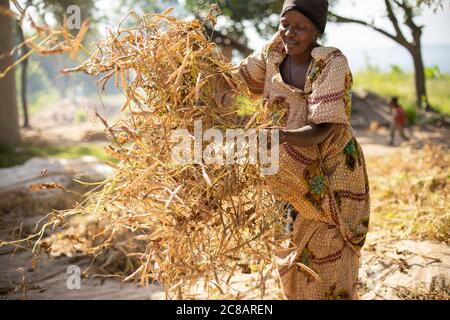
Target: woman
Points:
(322, 170)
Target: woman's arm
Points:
(251, 71)
(326, 106)
(309, 135)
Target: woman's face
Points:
(298, 32)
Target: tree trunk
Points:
(419, 77)
(23, 79)
(9, 124)
(414, 47)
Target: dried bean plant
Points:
(153, 220)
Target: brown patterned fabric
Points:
(326, 184)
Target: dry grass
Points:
(440, 293)
(410, 193)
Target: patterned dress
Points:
(326, 184)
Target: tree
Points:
(9, 126)
(57, 9)
(408, 9)
(23, 78)
(262, 14)
(7, 77)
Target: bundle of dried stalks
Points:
(178, 224)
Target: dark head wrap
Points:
(315, 10)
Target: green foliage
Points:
(259, 13)
(411, 112)
(435, 5)
(396, 70)
(80, 116)
(245, 106)
(26, 152)
(433, 72)
(401, 84)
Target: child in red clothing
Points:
(398, 120)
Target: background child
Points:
(398, 120)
